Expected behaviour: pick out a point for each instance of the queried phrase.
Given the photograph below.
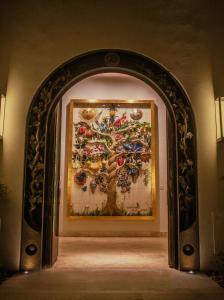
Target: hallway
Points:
(111, 268)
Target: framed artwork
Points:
(111, 159)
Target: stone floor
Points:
(108, 269)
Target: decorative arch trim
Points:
(182, 181)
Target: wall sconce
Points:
(219, 115)
(2, 114)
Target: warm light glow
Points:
(92, 100)
(111, 260)
(112, 253)
(219, 114)
(28, 265)
(2, 115)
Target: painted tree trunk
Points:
(111, 208)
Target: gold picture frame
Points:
(94, 103)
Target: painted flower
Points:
(80, 178)
(89, 133)
(137, 147)
(112, 113)
(118, 137)
(120, 161)
(120, 121)
(82, 129)
(117, 123)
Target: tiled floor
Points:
(111, 268)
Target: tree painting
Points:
(111, 152)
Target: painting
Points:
(111, 158)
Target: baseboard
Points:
(113, 234)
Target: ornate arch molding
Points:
(182, 177)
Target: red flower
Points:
(89, 133)
(120, 161)
(120, 121)
(117, 123)
(82, 130)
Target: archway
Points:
(36, 248)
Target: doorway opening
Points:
(41, 180)
(114, 86)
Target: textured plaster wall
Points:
(37, 36)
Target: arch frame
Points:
(182, 155)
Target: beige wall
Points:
(40, 35)
(116, 86)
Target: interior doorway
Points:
(154, 232)
(115, 86)
(41, 193)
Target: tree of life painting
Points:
(111, 160)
